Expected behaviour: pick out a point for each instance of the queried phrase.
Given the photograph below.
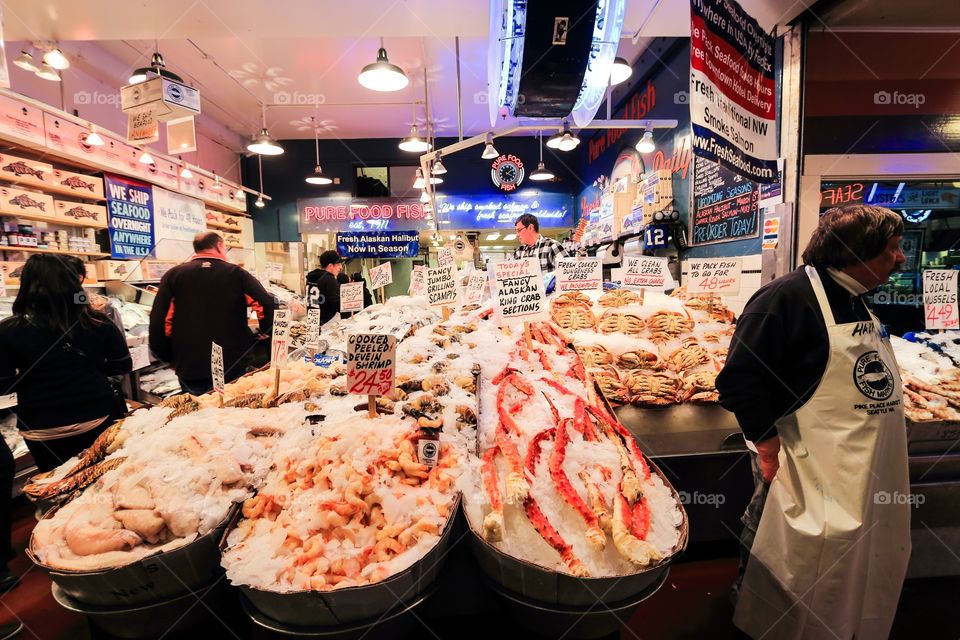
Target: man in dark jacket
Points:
(324, 289)
(201, 301)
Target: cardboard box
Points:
(91, 268)
(655, 193)
(93, 215)
(118, 270)
(214, 218)
(83, 185)
(17, 170)
(232, 240)
(17, 201)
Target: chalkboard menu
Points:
(724, 205)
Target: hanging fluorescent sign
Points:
(326, 215)
(129, 217)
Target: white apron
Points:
(831, 551)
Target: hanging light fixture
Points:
(157, 67)
(185, 171)
(414, 143)
(263, 144)
(146, 158)
(55, 58)
(216, 186)
(438, 168)
(489, 151)
(25, 62)
(47, 72)
(240, 193)
(563, 140)
(419, 183)
(646, 145)
(620, 71)
(424, 197)
(383, 75)
(259, 201)
(93, 138)
(541, 173)
(317, 177)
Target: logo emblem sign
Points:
(872, 376)
(507, 172)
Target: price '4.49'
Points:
(942, 316)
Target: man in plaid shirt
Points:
(532, 244)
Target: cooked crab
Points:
(571, 298)
(613, 322)
(664, 325)
(608, 379)
(574, 317)
(640, 359)
(700, 386)
(594, 355)
(690, 355)
(618, 298)
(655, 388)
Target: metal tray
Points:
(152, 579)
(351, 604)
(168, 618)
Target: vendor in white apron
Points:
(814, 383)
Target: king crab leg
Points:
(559, 387)
(505, 415)
(553, 409)
(544, 360)
(493, 522)
(533, 450)
(623, 435)
(552, 537)
(637, 551)
(597, 503)
(594, 533)
(517, 486)
(640, 525)
(581, 422)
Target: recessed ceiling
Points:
(301, 58)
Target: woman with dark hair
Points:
(815, 387)
(56, 352)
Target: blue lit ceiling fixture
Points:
(873, 192)
(508, 20)
(603, 51)
(917, 216)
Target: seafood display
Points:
(931, 380)
(399, 316)
(562, 483)
(650, 349)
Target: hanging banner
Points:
(579, 274)
(372, 244)
(732, 94)
(129, 217)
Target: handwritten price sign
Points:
(647, 272)
(313, 328)
(371, 364)
(475, 286)
(940, 299)
(714, 275)
(280, 338)
(579, 274)
(418, 281)
(381, 275)
(216, 367)
(444, 256)
(351, 297)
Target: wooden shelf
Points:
(62, 253)
(55, 190)
(224, 227)
(67, 223)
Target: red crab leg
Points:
(624, 435)
(553, 409)
(552, 537)
(533, 450)
(577, 371)
(507, 370)
(597, 503)
(550, 331)
(517, 485)
(515, 408)
(594, 533)
(506, 420)
(581, 422)
(641, 519)
(559, 387)
(544, 360)
(537, 334)
(493, 522)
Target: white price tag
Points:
(381, 275)
(646, 272)
(518, 290)
(940, 299)
(216, 367)
(442, 286)
(280, 339)
(418, 281)
(274, 271)
(313, 328)
(371, 363)
(579, 274)
(444, 256)
(475, 287)
(720, 276)
(351, 297)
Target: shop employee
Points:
(814, 384)
(326, 286)
(534, 245)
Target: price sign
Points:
(940, 299)
(371, 363)
(418, 281)
(441, 286)
(714, 275)
(381, 275)
(216, 367)
(444, 256)
(647, 272)
(518, 290)
(475, 286)
(313, 328)
(579, 274)
(351, 297)
(280, 339)
(274, 271)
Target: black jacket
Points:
(327, 293)
(61, 379)
(208, 301)
(779, 350)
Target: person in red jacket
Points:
(202, 301)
